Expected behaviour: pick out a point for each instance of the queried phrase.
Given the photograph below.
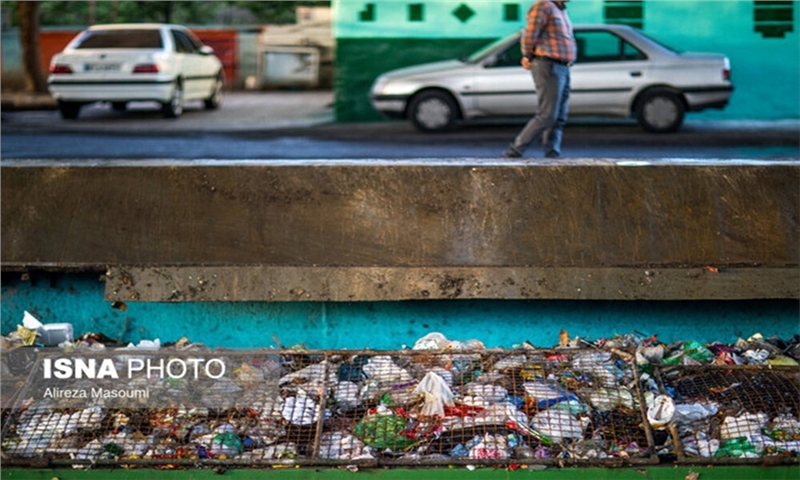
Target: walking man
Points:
(548, 49)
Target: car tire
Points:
(217, 93)
(433, 111)
(174, 107)
(69, 110)
(119, 106)
(660, 111)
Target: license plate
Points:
(101, 67)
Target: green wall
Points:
(360, 61)
(761, 42)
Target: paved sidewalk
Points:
(241, 111)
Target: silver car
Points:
(122, 63)
(619, 72)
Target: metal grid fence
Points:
(390, 408)
(733, 413)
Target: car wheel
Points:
(119, 106)
(217, 93)
(174, 107)
(433, 111)
(660, 111)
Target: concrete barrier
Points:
(371, 230)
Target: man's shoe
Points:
(512, 153)
(552, 154)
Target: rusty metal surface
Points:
(498, 217)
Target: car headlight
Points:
(379, 85)
(394, 86)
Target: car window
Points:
(183, 44)
(602, 46)
(510, 57)
(195, 41)
(489, 48)
(137, 38)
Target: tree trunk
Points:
(92, 12)
(29, 38)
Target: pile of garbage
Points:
(721, 401)
(629, 399)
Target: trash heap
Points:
(721, 401)
(626, 400)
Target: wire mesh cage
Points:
(565, 407)
(329, 407)
(489, 407)
(732, 413)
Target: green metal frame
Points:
(651, 473)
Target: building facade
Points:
(759, 37)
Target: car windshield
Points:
(135, 38)
(487, 50)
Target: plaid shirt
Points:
(548, 33)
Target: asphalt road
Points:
(300, 125)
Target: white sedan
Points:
(619, 72)
(123, 63)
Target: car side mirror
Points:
(206, 50)
(490, 62)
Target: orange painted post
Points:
(51, 43)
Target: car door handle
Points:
(636, 74)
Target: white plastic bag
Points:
(437, 394)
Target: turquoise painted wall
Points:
(765, 70)
(78, 299)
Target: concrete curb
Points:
(22, 101)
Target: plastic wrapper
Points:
(384, 368)
(489, 447)
(488, 394)
(745, 425)
(557, 426)
(384, 430)
(226, 443)
(300, 410)
(692, 353)
(607, 399)
(436, 394)
(311, 379)
(272, 452)
(737, 447)
(342, 446)
(546, 394)
(688, 413)
(346, 395)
